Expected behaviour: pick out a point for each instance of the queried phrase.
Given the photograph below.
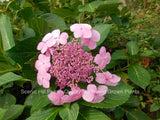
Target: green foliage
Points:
(131, 34)
(92, 114)
(139, 76)
(69, 112)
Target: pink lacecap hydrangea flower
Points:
(94, 94)
(107, 78)
(103, 58)
(71, 65)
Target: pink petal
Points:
(98, 99)
(102, 90)
(88, 96)
(46, 84)
(98, 59)
(87, 26)
(47, 37)
(44, 49)
(77, 33)
(85, 41)
(92, 44)
(40, 46)
(102, 51)
(63, 38)
(113, 81)
(100, 78)
(74, 27)
(56, 33)
(51, 43)
(86, 33)
(56, 98)
(95, 36)
(92, 88)
(107, 58)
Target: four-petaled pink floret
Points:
(86, 33)
(51, 39)
(107, 78)
(103, 58)
(95, 94)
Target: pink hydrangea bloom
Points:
(107, 78)
(43, 79)
(74, 95)
(94, 94)
(56, 97)
(91, 42)
(81, 30)
(51, 39)
(103, 58)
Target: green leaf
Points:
(2, 112)
(104, 30)
(116, 19)
(139, 75)
(39, 25)
(132, 102)
(119, 55)
(24, 50)
(115, 96)
(64, 12)
(13, 112)
(148, 53)
(55, 20)
(157, 88)
(27, 33)
(49, 114)
(69, 112)
(134, 114)
(10, 77)
(6, 32)
(118, 113)
(132, 47)
(92, 114)
(90, 7)
(154, 107)
(26, 13)
(5, 65)
(37, 101)
(7, 100)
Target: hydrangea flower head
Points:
(70, 65)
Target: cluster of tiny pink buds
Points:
(71, 65)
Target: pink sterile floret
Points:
(81, 30)
(43, 79)
(91, 42)
(103, 58)
(107, 78)
(94, 94)
(74, 95)
(56, 97)
(43, 63)
(52, 39)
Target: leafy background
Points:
(130, 32)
